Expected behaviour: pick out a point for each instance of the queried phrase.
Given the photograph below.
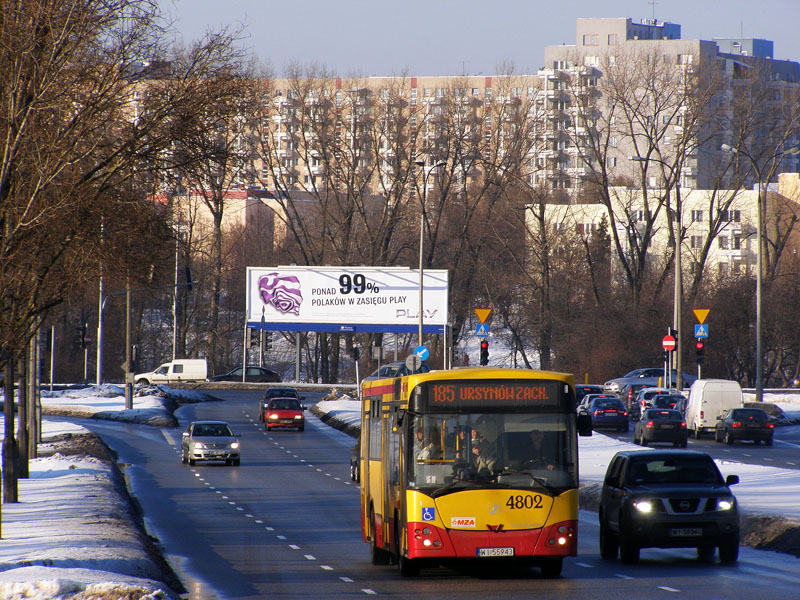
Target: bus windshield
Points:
(453, 452)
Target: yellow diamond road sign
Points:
(483, 314)
(701, 314)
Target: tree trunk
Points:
(10, 450)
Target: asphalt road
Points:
(285, 524)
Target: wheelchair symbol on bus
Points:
(428, 513)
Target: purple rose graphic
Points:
(282, 292)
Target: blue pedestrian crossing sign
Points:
(701, 331)
(482, 330)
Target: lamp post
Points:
(677, 298)
(421, 163)
(759, 252)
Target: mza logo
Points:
(462, 522)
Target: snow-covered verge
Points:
(74, 533)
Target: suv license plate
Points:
(483, 552)
(687, 532)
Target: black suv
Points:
(668, 499)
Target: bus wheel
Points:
(408, 566)
(379, 555)
(551, 568)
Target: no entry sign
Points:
(668, 343)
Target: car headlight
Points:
(234, 445)
(199, 445)
(726, 503)
(298, 417)
(273, 416)
(644, 506)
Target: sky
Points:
(54, 545)
(449, 37)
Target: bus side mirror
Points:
(584, 424)
(399, 417)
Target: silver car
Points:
(210, 440)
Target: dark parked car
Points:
(669, 401)
(251, 375)
(583, 405)
(661, 425)
(583, 390)
(638, 404)
(744, 424)
(394, 369)
(210, 440)
(276, 392)
(608, 413)
(667, 499)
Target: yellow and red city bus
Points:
(476, 463)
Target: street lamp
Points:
(677, 298)
(421, 163)
(759, 253)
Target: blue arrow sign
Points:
(482, 330)
(701, 331)
(422, 352)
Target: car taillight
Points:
(683, 425)
(598, 412)
(736, 424)
(702, 414)
(649, 425)
(771, 425)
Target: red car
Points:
(284, 413)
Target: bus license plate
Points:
(687, 532)
(486, 552)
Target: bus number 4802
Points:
(524, 501)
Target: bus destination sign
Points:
(484, 394)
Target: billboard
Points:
(346, 298)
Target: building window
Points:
(612, 39)
(426, 92)
(737, 242)
(612, 61)
(413, 97)
(723, 242)
(697, 216)
(696, 242)
(591, 39)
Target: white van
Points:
(708, 399)
(180, 370)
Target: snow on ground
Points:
(56, 545)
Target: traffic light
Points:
(484, 353)
(356, 353)
(267, 341)
(700, 348)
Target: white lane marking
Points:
(249, 516)
(668, 589)
(346, 579)
(294, 547)
(369, 592)
(587, 565)
(310, 557)
(259, 521)
(326, 568)
(168, 436)
(622, 576)
(281, 537)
